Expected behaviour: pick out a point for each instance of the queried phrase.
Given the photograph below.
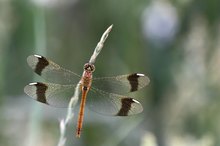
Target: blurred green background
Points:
(174, 42)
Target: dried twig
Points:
(100, 45)
(74, 99)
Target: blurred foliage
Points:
(174, 42)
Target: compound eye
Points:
(86, 66)
(89, 67)
(92, 68)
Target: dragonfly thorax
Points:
(89, 67)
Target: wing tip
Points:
(38, 63)
(37, 90)
(147, 79)
(128, 107)
(32, 57)
(28, 87)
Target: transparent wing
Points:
(51, 71)
(112, 104)
(122, 83)
(51, 94)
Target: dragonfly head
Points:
(89, 67)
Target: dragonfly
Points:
(104, 93)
